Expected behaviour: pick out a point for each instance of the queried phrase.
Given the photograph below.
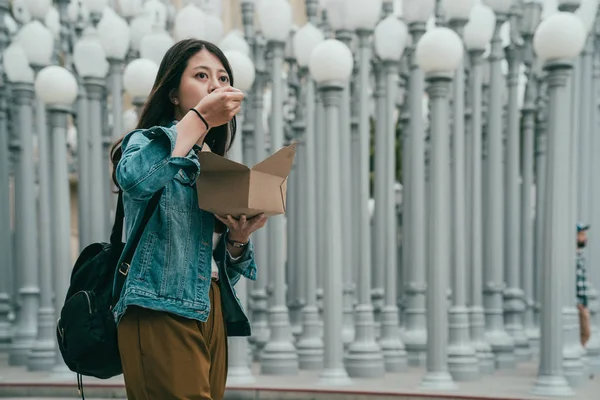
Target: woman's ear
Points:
(173, 96)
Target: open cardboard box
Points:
(227, 187)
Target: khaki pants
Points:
(584, 324)
(167, 357)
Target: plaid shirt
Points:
(581, 279)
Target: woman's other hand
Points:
(241, 229)
(220, 106)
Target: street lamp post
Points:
(514, 300)
(310, 342)
(90, 61)
(462, 357)
(6, 249)
(20, 75)
(239, 368)
(502, 344)
(338, 21)
(556, 46)
(477, 35)
(38, 44)
(531, 18)
(57, 88)
(331, 65)
(364, 357)
(279, 355)
(416, 13)
(390, 37)
(439, 53)
(114, 36)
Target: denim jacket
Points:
(171, 268)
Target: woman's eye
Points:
(224, 79)
(201, 75)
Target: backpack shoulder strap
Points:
(131, 245)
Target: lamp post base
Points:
(334, 377)
(503, 348)
(364, 358)
(415, 341)
(552, 385)
(310, 343)
(439, 380)
(279, 355)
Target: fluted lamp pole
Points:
(114, 36)
(557, 41)
(439, 53)
(364, 357)
(279, 355)
(310, 342)
(331, 65)
(477, 35)
(57, 88)
(462, 357)
(20, 76)
(38, 43)
(390, 38)
(239, 368)
(502, 343)
(416, 13)
(90, 61)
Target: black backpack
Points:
(86, 330)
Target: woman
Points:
(178, 304)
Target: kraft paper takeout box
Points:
(227, 187)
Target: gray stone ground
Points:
(17, 383)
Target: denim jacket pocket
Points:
(181, 194)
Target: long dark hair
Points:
(158, 109)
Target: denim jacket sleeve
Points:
(244, 266)
(147, 164)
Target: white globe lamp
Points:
(114, 35)
(306, 40)
(275, 18)
(52, 22)
(16, 65)
(417, 10)
(38, 8)
(89, 56)
(479, 30)
(337, 14)
(363, 15)
(56, 86)
(155, 44)
(20, 12)
(458, 9)
(390, 37)
(560, 36)
(331, 62)
(78, 10)
(130, 8)
(38, 43)
(499, 6)
(140, 26)
(96, 6)
(130, 119)
(214, 28)
(234, 41)
(243, 69)
(190, 23)
(139, 76)
(440, 51)
(159, 11)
